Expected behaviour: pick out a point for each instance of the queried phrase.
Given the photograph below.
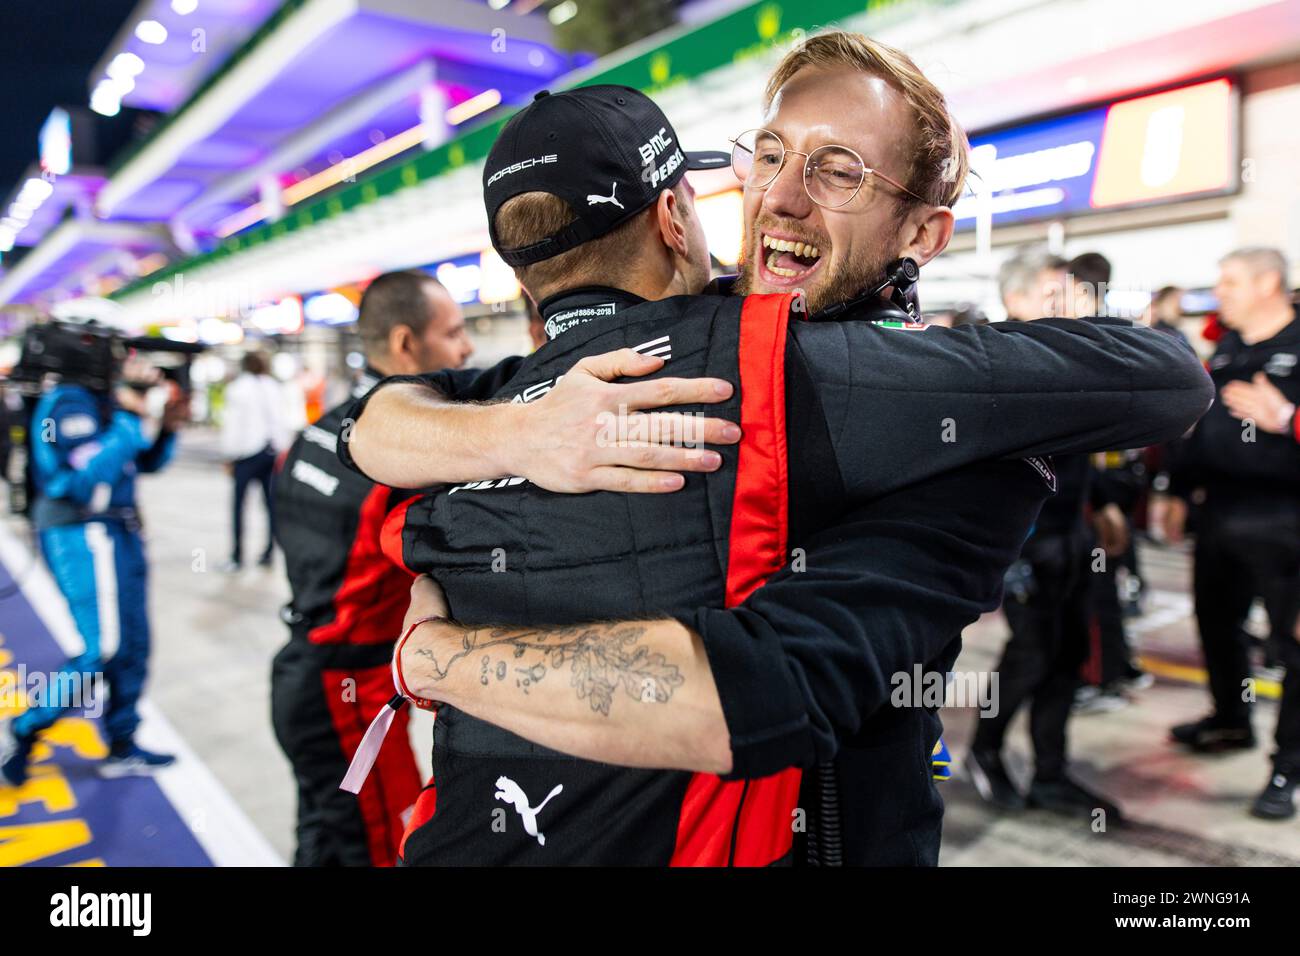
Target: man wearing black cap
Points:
(893, 551)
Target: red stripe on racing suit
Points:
(372, 597)
(392, 789)
(749, 822)
(390, 536)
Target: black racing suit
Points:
(873, 552)
(333, 675)
(1248, 542)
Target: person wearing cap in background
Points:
(1244, 457)
(348, 599)
(884, 576)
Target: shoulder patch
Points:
(78, 425)
(1044, 470)
(314, 477)
(319, 436)
(1280, 364)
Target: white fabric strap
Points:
(368, 752)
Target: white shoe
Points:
(1101, 703)
(8, 742)
(138, 762)
(14, 754)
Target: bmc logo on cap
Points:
(655, 145)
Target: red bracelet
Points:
(420, 702)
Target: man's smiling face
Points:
(830, 254)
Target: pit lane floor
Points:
(1183, 809)
(215, 635)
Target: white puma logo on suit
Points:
(510, 792)
(592, 198)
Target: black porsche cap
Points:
(608, 151)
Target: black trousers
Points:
(258, 468)
(1110, 657)
(1049, 643)
(323, 698)
(1240, 554)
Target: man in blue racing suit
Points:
(86, 449)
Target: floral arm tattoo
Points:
(600, 658)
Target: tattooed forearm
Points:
(601, 659)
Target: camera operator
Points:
(87, 446)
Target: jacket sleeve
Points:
(457, 385)
(157, 456)
(813, 653)
(901, 405)
(76, 462)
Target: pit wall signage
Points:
(1157, 148)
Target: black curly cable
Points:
(831, 849)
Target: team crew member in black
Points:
(1050, 607)
(1116, 482)
(1244, 456)
(1047, 604)
(1049, 614)
(348, 599)
(829, 656)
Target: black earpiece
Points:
(901, 275)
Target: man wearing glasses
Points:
(880, 538)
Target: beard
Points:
(833, 284)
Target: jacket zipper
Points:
(735, 827)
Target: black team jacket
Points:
(886, 479)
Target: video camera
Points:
(91, 355)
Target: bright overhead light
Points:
(498, 4)
(105, 99)
(37, 190)
(151, 31)
(124, 65)
(122, 85)
(21, 211)
(185, 7)
(473, 107)
(563, 13)
(6, 241)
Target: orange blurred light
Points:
(239, 220)
(1165, 145)
(353, 164)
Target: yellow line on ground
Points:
(1169, 670)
